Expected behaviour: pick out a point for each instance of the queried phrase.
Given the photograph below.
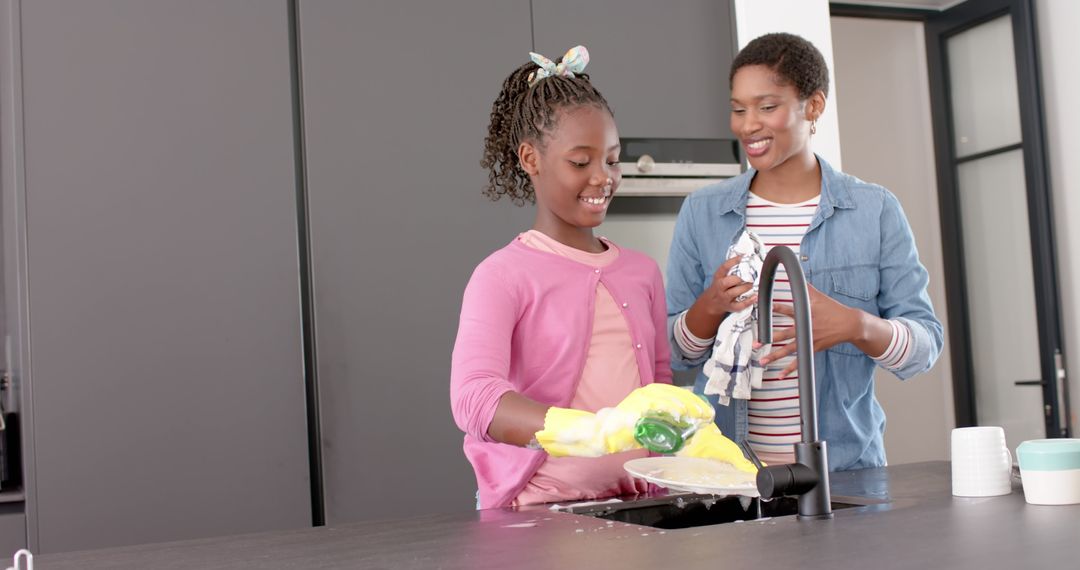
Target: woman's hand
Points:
(720, 299)
(833, 322)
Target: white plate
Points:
(693, 475)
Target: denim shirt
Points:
(858, 250)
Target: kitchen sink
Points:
(693, 510)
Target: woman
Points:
(868, 292)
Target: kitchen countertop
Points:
(922, 526)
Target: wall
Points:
(881, 69)
(1056, 22)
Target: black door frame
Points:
(940, 25)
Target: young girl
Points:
(559, 323)
(868, 296)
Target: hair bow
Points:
(574, 61)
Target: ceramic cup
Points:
(1050, 469)
(981, 462)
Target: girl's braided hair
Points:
(528, 113)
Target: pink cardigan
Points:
(525, 323)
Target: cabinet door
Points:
(12, 529)
(397, 95)
(663, 66)
(165, 340)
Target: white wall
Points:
(1056, 22)
(887, 135)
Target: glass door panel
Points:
(982, 77)
(1001, 294)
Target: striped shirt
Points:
(773, 410)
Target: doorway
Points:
(996, 230)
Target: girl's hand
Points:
(709, 443)
(577, 433)
(833, 322)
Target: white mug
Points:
(981, 462)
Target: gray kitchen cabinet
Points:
(397, 96)
(663, 66)
(12, 531)
(157, 223)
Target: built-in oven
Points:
(675, 167)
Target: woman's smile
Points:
(757, 147)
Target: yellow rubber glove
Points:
(579, 433)
(611, 430)
(709, 443)
(681, 404)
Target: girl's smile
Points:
(597, 203)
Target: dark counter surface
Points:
(922, 526)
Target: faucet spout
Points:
(804, 332)
(808, 477)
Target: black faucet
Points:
(808, 477)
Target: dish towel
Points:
(734, 367)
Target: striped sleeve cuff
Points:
(692, 347)
(899, 350)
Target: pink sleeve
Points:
(481, 358)
(659, 317)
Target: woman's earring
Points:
(813, 127)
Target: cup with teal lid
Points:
(1050, 470)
